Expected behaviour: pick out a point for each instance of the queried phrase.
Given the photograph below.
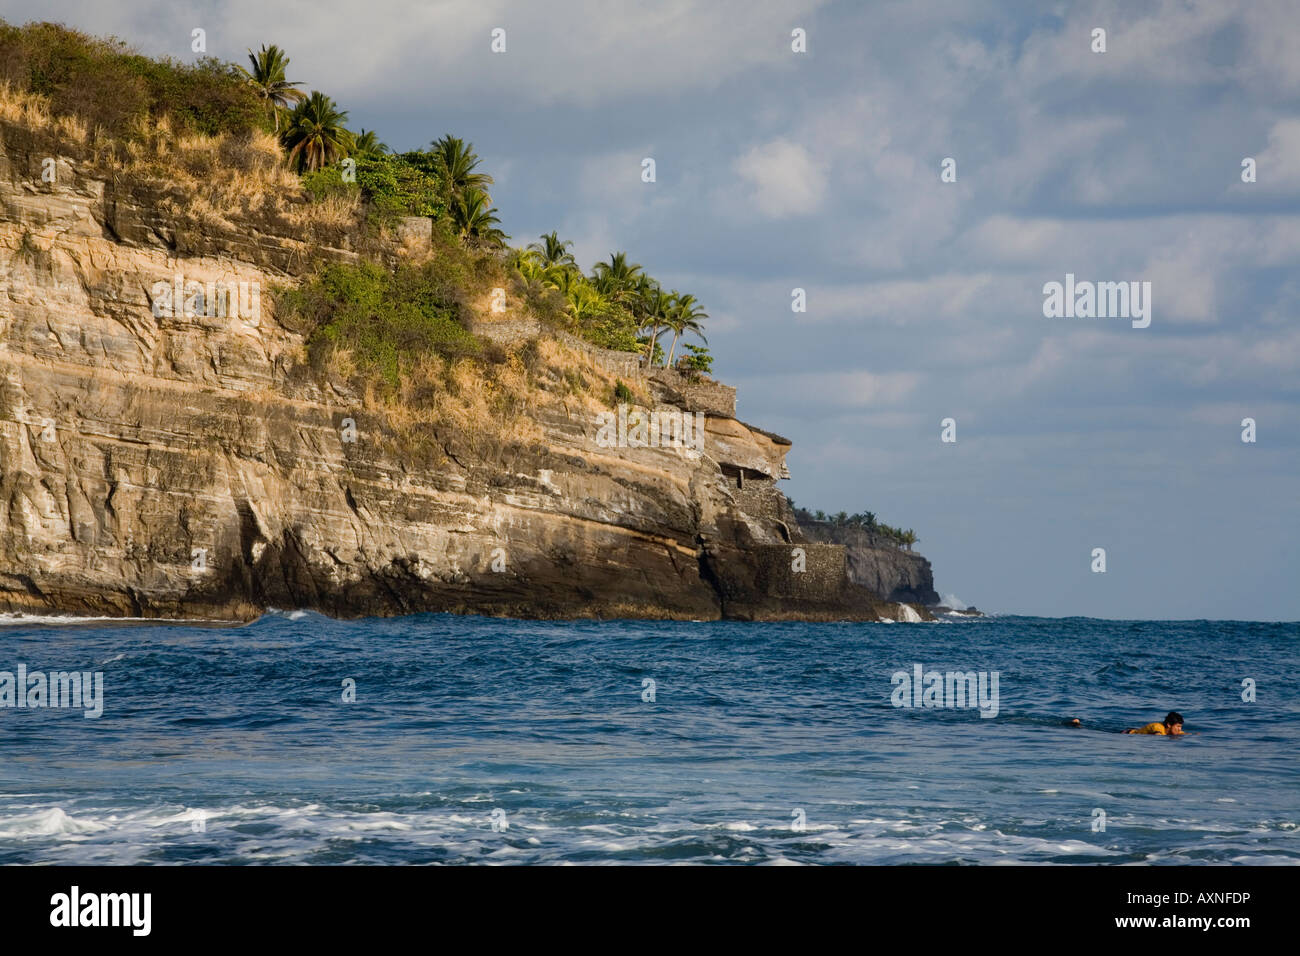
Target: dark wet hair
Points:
(1173, 717)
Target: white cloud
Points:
(849, 389)
(1278, 165)
(1182, 287)
(1010, 239)
(784, 177)
(563, 51)
(907, 301)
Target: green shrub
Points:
(401, 185)
(615, 329)
(657, 358)
(209, 97)
(622, 394)
(388, 321)
(107, 84)
(327, 182)
(699, 360)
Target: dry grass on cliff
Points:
(226, 178)
(485, 402)
(585, 380)
(481, 404)
(33, 112)
(229, 177)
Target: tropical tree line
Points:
(113, 90)
(443, 180)
(618, 293)
(618, 304)
(904, 538)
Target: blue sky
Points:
(821, 171)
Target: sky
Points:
(822, 170)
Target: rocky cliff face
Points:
(154, 463)
(878, 565)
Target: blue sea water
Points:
(234, 744)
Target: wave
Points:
(16, 618)
(272, 833)
(278, 834)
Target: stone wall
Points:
(508, 329)
(671, 387)
(702, 395)
(823, 576)
(624, 364)
(875, 563)
(759, 498)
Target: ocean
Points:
(481, 740)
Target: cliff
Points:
(160, 463)
(876, 563)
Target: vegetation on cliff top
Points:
(225, 145)
(104, 84)
(865, 520)
(236, 134)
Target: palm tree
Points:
(545, 283)
(656, 306)
(268, 79)
(585, 300)
(618, 278)
(552, 251)
(685, 317)
(315, 135)
(566, 279)
(532, 270)
(473, 215)
(455, 161)
(366, 144)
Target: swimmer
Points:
(1171, 726)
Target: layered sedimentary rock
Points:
(159, 464)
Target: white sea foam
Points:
(15, 618)
(47, 823)
(909, 615)
(297, 833)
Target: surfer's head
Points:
(1173, 723)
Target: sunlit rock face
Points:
(161, 456)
